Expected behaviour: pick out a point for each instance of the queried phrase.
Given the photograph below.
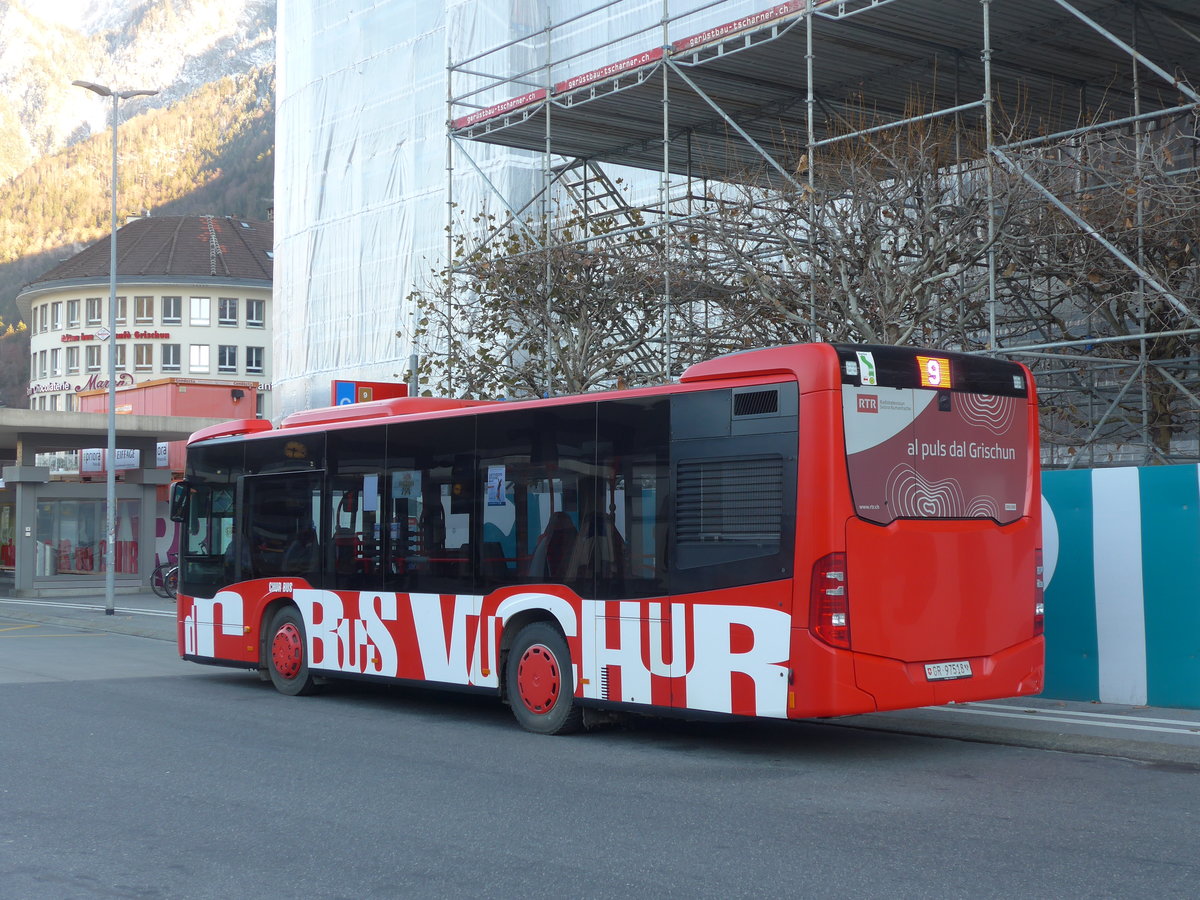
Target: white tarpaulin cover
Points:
(361, 157)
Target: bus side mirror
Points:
(179, 497)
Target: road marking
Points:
(165, 613)
(1091, 715)
(75, 634)
(1192, 728)
(19, 627)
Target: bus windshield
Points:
(924, 441)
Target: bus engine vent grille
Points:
(730, 500)
(756, 403)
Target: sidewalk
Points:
(144, 615)
(1147, 734)
(1144, 733)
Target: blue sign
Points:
(344, 392)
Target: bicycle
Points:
(165, 579)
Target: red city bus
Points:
(803, 531)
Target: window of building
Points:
(170, 357)
(72, 313)
(227, 313)
(94, 310)
(254, 360)
(121, 311)
(201, 310)
(72, 360)
(143, 310)
(143, 357)
(76, 530)
(42, 364)
(172, 310)
(54, 401)
(256, 313)
(54, 360)
(93, 357)
(56, 319)
(227, 358)
(121, 357)
(198, 358)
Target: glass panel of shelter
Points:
(71, 537)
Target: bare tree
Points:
(1110, 258)
(887, 243)
(891, 238)
(521, 315)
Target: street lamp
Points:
(110, 554)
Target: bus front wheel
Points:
(538, 679)
(287, 653)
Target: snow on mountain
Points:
(172, 46)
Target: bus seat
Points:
(550, 552)
(598, 550)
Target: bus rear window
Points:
(935, 454)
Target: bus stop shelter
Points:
(53, 530)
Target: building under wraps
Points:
(399, 122)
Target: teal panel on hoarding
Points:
(1171, 584)
(1072, 667)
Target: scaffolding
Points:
(1050, 94)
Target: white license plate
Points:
(947, 670)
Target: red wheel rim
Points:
(538, 679)
(287, 651)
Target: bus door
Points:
(278, 533)
(940, 554)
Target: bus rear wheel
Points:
(287, 653)
(538, 679)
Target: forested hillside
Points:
(210, 153)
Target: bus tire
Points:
(539, 683)
(287, 654)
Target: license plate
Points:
(947, 670)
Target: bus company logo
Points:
(868, 403)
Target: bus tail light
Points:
(1039, 594)
(828, 603)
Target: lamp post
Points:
(110, 554)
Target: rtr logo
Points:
(868, 403)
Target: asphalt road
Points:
(127, 773)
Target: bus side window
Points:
(428, 496)
(631, 497)
(353, 519)
(531, 463)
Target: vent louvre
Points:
(730, 500)
(756, 403)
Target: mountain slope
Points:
(172, 46)
(203, 145)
